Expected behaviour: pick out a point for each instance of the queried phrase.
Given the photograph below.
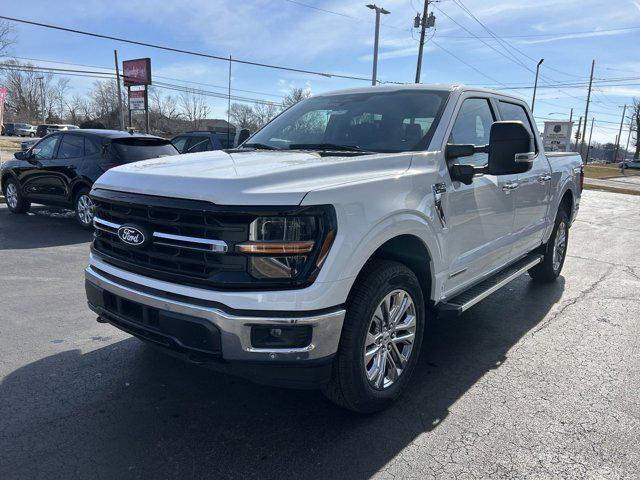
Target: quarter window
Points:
(473, 126)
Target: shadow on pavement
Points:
(127, 411)
(41, 227)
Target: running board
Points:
(467, 299)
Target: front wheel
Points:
(381, 338)
(555, 251)
(13, 196)
(84, 208)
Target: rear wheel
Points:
(555, 251)
(13, 196)
(84, 208)
(380, 340)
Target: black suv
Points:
(61, 168)
(192, 142)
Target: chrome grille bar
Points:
(169, 239)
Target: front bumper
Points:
(230, 333)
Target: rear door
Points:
(532, 197)
(480, 215)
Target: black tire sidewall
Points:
(388, 277)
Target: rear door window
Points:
(71, 146)
(514, 112)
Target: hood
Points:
(250, 177)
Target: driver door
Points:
(480, 216)
(35, 180)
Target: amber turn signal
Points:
(276, 248)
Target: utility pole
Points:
(378, 10)
(615, 155)
(120, 113)
(229, 108)
(571, 115)
(586, 112)
(628, 138)
(578, 133)
(423, 30)
(41, 80)
(586, 160)
(535, 86)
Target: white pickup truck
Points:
(314, 254)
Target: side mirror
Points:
(244, 134)
(510, 149)
(22, 155)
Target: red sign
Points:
(137, 72)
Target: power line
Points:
(154, 76)
(186, 52)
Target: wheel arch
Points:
(412, 252)
(76, 188)
(6, 175)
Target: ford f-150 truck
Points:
(314, 254)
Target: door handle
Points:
(509, 187)
(544, 178)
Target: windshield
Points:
(134, 149)
(374, 121)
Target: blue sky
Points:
(568, 34)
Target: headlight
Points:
(288, 247)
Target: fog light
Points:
(281, 337)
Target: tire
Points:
(32, 134)
(555, 251)
(83, 207)
(355, 382)
(13, 196)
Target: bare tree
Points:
(30, 91)
(7, 37)
(263, 113)
(104, 103)
(294, 96)
(194, 107)
(163, 111)
(242, 116)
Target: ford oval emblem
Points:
(131, 235)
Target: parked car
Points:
(8, 129)
(24, 130)
(41, 131)
(61, 168)
(633, 164)
(57, 128)
(27, 144)
(315, 254)
(202, 141)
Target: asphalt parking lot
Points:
(534, 382)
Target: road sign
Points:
(557, 136)
(137, 100)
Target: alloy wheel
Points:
(85, 209)
(12, 195)
(390, 339)
(559, 245)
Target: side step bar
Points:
(467, 299)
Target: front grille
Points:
(190, 262)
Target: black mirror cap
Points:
(506, 141)
(22, 155)
(244, 135)
(455, 150)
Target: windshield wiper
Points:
(326, 146)
(259, 146)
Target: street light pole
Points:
(378, 10)
(535, 86)
(41, 80)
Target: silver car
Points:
(24, 130)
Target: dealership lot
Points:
(536, 381)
